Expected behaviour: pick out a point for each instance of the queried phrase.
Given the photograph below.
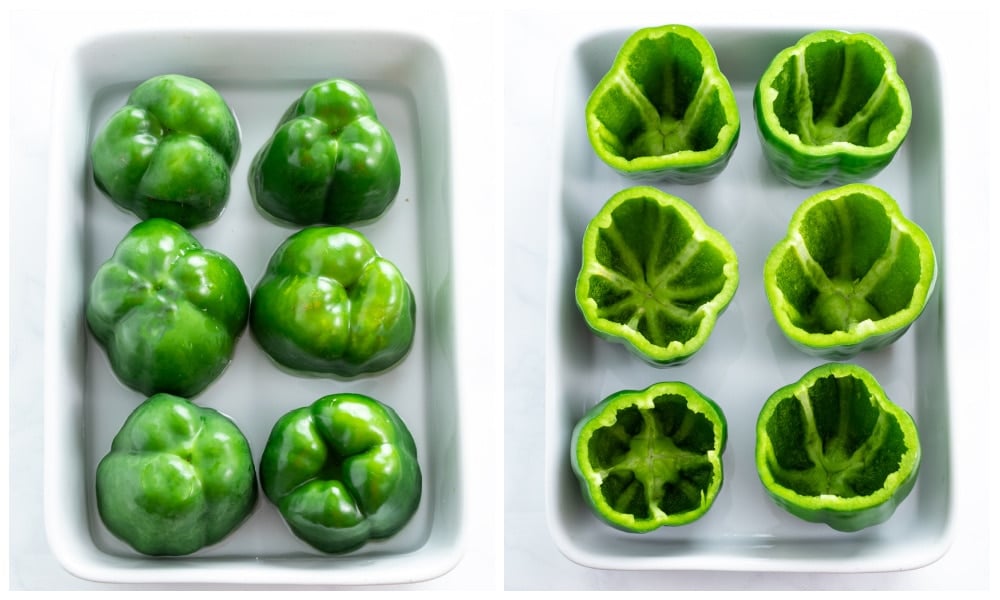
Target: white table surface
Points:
(504, 100)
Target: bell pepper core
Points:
(342, 471)
(328, 304)
(329, 161)
(664, 110)
(832, 448)
(167, 311)
(831, 107)
(651, 458)
(178, 477)
(654, 275)
(169, 151)
(852, 273)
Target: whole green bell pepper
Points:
(832, 107)
(651, 458)
(167, 310)
(852, 273)
(654, 275)
(832, 448)
(178, 477)
(342, 471)
(329, 161)
(169, 151)
(664, 110)
(329, 304)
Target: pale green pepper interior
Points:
(654, 457)
(837, 91)
(661, 102)
(834, 439)
(656, 276)
(852, 266)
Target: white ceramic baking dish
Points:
(259, 73)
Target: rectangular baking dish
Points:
(259, 73)
(746, 358)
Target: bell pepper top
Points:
(833, 448)
(654, 275)
(664, 110)
(852, 274)
(651, 458)
(832, 107)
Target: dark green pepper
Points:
(650, 458)
(329, 304)
(654, 275)
(664, 111)
(832, 448)
(832, 107)
(167, 311)
(179, 477)
(330, 161)
(342, 471)
(852, 274)
(169, 151)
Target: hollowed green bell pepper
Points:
(178, 477)
(852, 274)
(664, 110)
(169, 151)
(832, 448)
(342, 471)
(167, 310)
(329, 304)
(651, 458)
(329, 161)
(654, 275)
(832, 107)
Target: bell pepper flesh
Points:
(178, 477)
(664, 110)
(654, 275)
(852, 274)
(329, 304)
(342, 471)
(832, 108)
(651, 458)
(833, 448)
(169, 151)
(329, 161)
(167, 311)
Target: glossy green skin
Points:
(654, 276)
(664, 111)
(329, 161)
(329, 304)
(851, 274)
(342, 471)
(831, 108)
(169, 151)
(847, 458)
(167, 311)
(672, 463)
(179, 477)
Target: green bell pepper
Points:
(329, 161)
(832, 107)
(178, 477)
(851, 274)
(342, 471)
(650, 458)
(329, 304)
(654, 275)
(832, 448)
(664, 110)
(169, 151)
(167, 311)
